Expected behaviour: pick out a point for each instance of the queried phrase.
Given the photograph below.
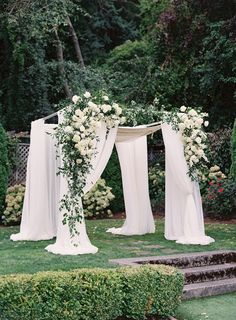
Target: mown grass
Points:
(30, 257)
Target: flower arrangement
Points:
(189, 123)
(97, 201)
(76, 137)
(14, 203)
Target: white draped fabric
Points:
(183, 208)
(131, 145)
(80, 244)
(41, 218)
(40, 209)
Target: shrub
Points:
(219, 148)
(112, 175)
(97, 201)
(151, 290)
(220, 199)
(157, 186)
(4, 166)
(14, 203)
(233, 153)
(91, 294)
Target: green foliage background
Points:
(4, 165)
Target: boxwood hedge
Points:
(101, 294)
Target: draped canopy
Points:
(41, 218)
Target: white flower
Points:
(206, 123)
(106, 108)
(75, 119)
(92, 105)
(105, 98)
(199, 121)
(75, 99)
(79, 113)
(198, 140)
(82, 128)
(78, 161)
(183, 108)
(192, 113)
(87, 94)
(76, 138)
(69, 129)
(181, 126)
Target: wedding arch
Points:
(45, 189)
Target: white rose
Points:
(74, 118)
(87, 94)
(181, 126)
(76, 138)
(78, 161)
(82, 128)
(183, 108)
(79, 113)
(206, 123)
(105, 98)
(75, 99)
(69, 129)
(106, 108)
(118, 111)
(199, 121)
(198, 140)
(192, 113)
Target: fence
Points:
(19, 173)
(155, 153)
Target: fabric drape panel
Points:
(40, 210)
(134, 168)
(183, 209)
(80, 244)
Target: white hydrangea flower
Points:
(105, 98)
(75, 99)
(183, 108)
(87, 94)
(206, 123)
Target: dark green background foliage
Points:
(4, 165)
(91, 294)
(180, 51)
(233, 153)
(112, 175)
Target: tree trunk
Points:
(76, 43)
(61, 67)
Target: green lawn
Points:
(30, 257)
(213, 308)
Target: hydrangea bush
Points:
(157, 186)
(14, 204)
(97, 201)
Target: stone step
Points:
(209, 273)
(184, 260)
(209, 288)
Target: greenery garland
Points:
(76, 137)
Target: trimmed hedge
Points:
(101, 294)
